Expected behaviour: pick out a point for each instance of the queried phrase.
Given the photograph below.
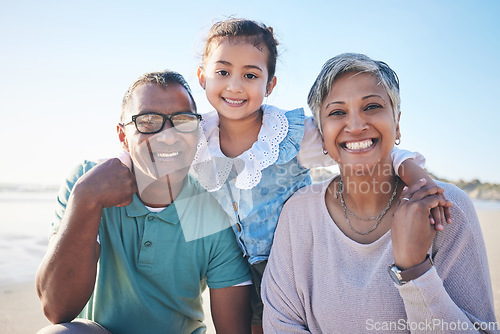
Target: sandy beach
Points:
(490, 224)
(20, 311)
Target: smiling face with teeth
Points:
(167, 152)
(358, 123)
(235, 78)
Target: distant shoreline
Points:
(36, 188)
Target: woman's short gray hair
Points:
(352, 62)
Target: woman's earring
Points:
(325, 152)
(398, 141)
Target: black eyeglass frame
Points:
(165, 117)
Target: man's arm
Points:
(231, 311)
(66, 277)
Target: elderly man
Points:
(136, 242)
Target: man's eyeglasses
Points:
(152, 122)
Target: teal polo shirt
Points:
(153, 267)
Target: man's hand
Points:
(108, 184)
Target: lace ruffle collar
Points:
(212, 167)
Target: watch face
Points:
(394, 272)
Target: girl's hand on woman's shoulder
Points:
(411, 232)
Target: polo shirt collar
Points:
(170, 214)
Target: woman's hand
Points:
(439, 215)
(411, 233)
(412, 174)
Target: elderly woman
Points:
(357, 253)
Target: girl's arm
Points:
(311, 148)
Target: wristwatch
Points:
(401, 277)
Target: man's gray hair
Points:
(357, 63)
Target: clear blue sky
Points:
(64, 66)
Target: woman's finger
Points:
(443, 220)
(405, 195)
(437, 215)
(433, 216)
(447, 214)
(432, 201)
(427, 191)
(409, 191)
(446, 210)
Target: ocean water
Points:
(26, 217)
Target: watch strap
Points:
(418, 270)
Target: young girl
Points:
(261, 154)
